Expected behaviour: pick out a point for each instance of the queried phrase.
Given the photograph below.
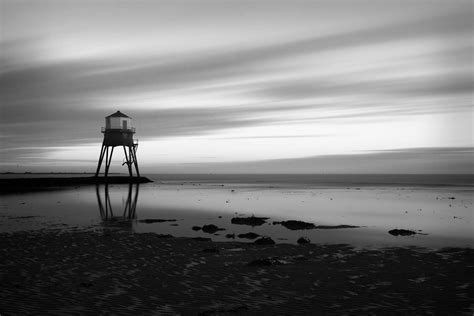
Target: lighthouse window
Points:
(124, 124)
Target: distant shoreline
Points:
(34, 173)
(11, 182)
(349, 180)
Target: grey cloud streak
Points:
(106, 76)
(457, 83)
(57, 101)
(454, 160)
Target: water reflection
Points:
(105, 206)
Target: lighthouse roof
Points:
(118, 114)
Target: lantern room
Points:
(118, 120)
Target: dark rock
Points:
(196, 228)
(151, 220)
(249, 235)
(252, 220)
(401, 232)
(303, 240)
(264, 241)
(296, 225)
(230, 236)
(211, 228)
(335, 226)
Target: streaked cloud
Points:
(400, 161)
(324, 66)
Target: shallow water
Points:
(443, 213)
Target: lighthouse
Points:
(118, 132)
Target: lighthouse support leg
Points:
(101, 158)
(135, 162)
(127, 158)
(108, 160)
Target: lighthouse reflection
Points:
(124, 216)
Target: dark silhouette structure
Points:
(118, 131)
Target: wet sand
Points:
(112, 271)
(59, 254)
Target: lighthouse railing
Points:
(131, 129)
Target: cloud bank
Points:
(410, 61)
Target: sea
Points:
(355, 209)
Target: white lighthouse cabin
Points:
(118, 121)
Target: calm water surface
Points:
(443, 212)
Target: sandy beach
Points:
(237, 247)
(54, 272)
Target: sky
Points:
(240, 86)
